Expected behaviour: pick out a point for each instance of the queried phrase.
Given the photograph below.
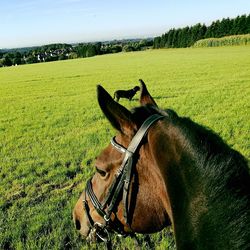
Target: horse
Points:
(129, 94)
(162, 170)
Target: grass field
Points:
(51, 128)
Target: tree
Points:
(224, 28)
(156, 43)
(202, 32)
(90, 50)
(163, 41)
(116, 48)
(31, 59)
(72, 55)
(81, 50)
(183, 37)
(17, 61)
(7, 60)
(236, 26)
(62, 57)
(127, 48)
(143, 43)
(242, 24)
(98, 48)
(1, 62)
(248, 24)
(170, 38)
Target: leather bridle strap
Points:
(132, 148)
(94, 199)
(122, 177)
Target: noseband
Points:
(121, 182)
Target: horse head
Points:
(144, 210)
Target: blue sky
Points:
(37, 22)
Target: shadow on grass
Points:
(158, 97)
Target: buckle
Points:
(105, 218)
(103, 235)
(101, 232)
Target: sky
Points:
(38, 22)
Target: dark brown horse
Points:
(161, 170)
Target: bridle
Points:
(121, 182)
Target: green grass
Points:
(51, 128)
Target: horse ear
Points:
(119, 117)
(146, 98)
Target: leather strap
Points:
(132, 148)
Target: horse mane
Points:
(226, 181)
(223, 175)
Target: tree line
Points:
(54, 52)
(187, 36)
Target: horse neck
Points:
(168, 158)
(192, 222)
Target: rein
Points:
(120, 184)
